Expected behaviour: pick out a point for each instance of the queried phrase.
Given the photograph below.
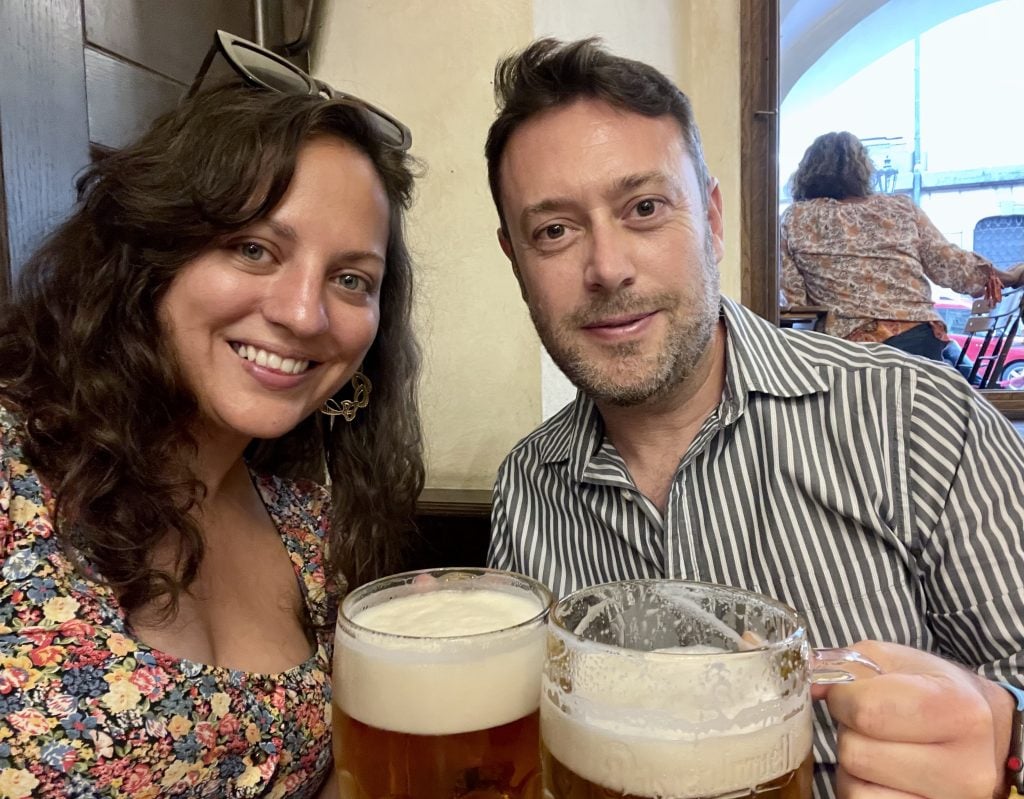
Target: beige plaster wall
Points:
(430, 63)
(709, 69)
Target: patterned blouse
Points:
(88, 710)
(867, 261)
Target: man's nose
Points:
(295, 301)
(610, 265)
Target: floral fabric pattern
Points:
(87, 710)
(868, 260)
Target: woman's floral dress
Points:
(87, 710)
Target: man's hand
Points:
(925, 728)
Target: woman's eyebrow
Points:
(280, 228)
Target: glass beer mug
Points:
(674, 690)
(437, 685)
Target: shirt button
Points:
(626, 494)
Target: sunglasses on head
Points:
(260, 67)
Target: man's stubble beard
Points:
(659, 374)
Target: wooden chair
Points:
(803, 317)
(995, 326)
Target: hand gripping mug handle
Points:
(830, 666)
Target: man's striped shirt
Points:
(875, 492)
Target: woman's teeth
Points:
(271, 360)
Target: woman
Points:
(867, 257)
(169, 572)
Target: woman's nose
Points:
(296, 302)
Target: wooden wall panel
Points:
(43, 131)
(124, 98)
(161, 35)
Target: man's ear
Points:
(506, 247)
(716, 222)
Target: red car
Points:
(955, 312)
(1013, 366)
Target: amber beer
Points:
(673, 690)
(437, 686)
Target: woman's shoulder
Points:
(18, 481)
(802, 209)
(303, 501)
(10, 426)
(893, 203)
(301, 511)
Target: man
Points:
(875, 492)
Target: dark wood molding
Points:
(455, 502)
(759, 159)
(453, 527)
(1009, 403)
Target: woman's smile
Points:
(272, 320)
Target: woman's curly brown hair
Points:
(836, 165)
(106, 411)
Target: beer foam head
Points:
(449, 613)
(653, 763)
(684, 723)
(438, 662)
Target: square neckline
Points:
(192, 668)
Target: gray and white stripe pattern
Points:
(875, 492)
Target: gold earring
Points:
(361, 388)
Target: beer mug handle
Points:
(830, 666)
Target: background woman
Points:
(867, 257)
(169, 573)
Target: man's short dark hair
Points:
(550, 73)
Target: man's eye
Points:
(553, 231)
(646, 207)
(252, 251)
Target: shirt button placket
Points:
(680, 533)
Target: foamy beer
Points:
(437, 684)
(676, 690)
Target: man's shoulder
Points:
(833, 357)
(829, 351)
(816, 358)
(788, 362)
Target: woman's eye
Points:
(353, 282)
(252, 251)
(646, 207)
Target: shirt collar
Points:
(759, 359)
(574, 434)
